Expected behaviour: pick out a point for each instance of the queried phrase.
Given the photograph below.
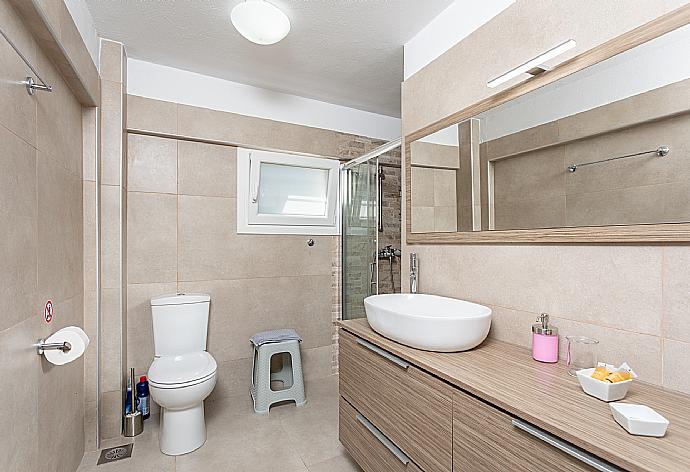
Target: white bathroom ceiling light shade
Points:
(260, 21)
(532, 63)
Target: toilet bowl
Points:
(182, 373)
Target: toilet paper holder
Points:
(42, 346)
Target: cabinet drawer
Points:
(366, 445)
(412, 408)
(485, 439)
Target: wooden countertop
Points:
(545, 395)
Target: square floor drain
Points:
(115, 454)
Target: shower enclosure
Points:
(364, 225)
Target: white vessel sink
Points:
(428, 322)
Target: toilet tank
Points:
(180, 323)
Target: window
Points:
(286, 193)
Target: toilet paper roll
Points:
(75, 340)
(81, 333)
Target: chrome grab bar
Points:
(397, 452)
(42, 345)
(561, 445)
(385, 354)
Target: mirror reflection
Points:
(607, 145)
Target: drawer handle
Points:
(565, 447)
(394, 359)
(402, 457)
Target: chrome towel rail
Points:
(661, 151)
(31, 85)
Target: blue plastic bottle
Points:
(143, 397)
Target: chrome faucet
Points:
(413, 272)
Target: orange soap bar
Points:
(600, 373)
(619, 376)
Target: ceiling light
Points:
(260, 22)
(540, 59)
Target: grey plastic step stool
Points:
(266, 345)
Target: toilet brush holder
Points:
(134, 424)
(134, 421)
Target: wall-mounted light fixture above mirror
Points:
(594, 149)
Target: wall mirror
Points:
(602, 151)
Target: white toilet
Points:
(182, 373)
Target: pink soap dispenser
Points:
(544, 340)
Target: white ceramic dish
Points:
(639, 420)
(607, 391)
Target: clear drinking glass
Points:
(581, 354)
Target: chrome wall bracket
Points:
(42, 346)
(32, 86)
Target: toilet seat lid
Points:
(185, 368)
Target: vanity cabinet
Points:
(395, 417)
(486, 440)
(492, 408)
(411, 409)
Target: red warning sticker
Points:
(48, 311)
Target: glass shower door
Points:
(359, 245)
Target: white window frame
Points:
(249, 221)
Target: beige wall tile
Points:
(432, 154)
(112, 135)
(18, 112)
(316, 362)
(444, 188)
(641, 351)
(422, 219)
(676, 358)
(445, 218)
(112, 61)
(111, 414)
(19, 231)
(206, 169)
(147, 114)
(636, 205)
(234, 378)
(89, 120)
(210, 248)
(565, 281)
(152, 164)
(526, 140)
(90, 327)
(89, 222)
(111, 340)
(139, 322)
(242, 308)
(545, 212)
(19, 361)
(151, 237)
(533, 175)
(422, 187)
(110, 243)
(204, 123)
(676, 293)
(90, 425)
(60, 239)
(644, 170)
(512, 326)
(62, 143)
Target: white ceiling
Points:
(347, 52)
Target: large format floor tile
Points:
(288, 439)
